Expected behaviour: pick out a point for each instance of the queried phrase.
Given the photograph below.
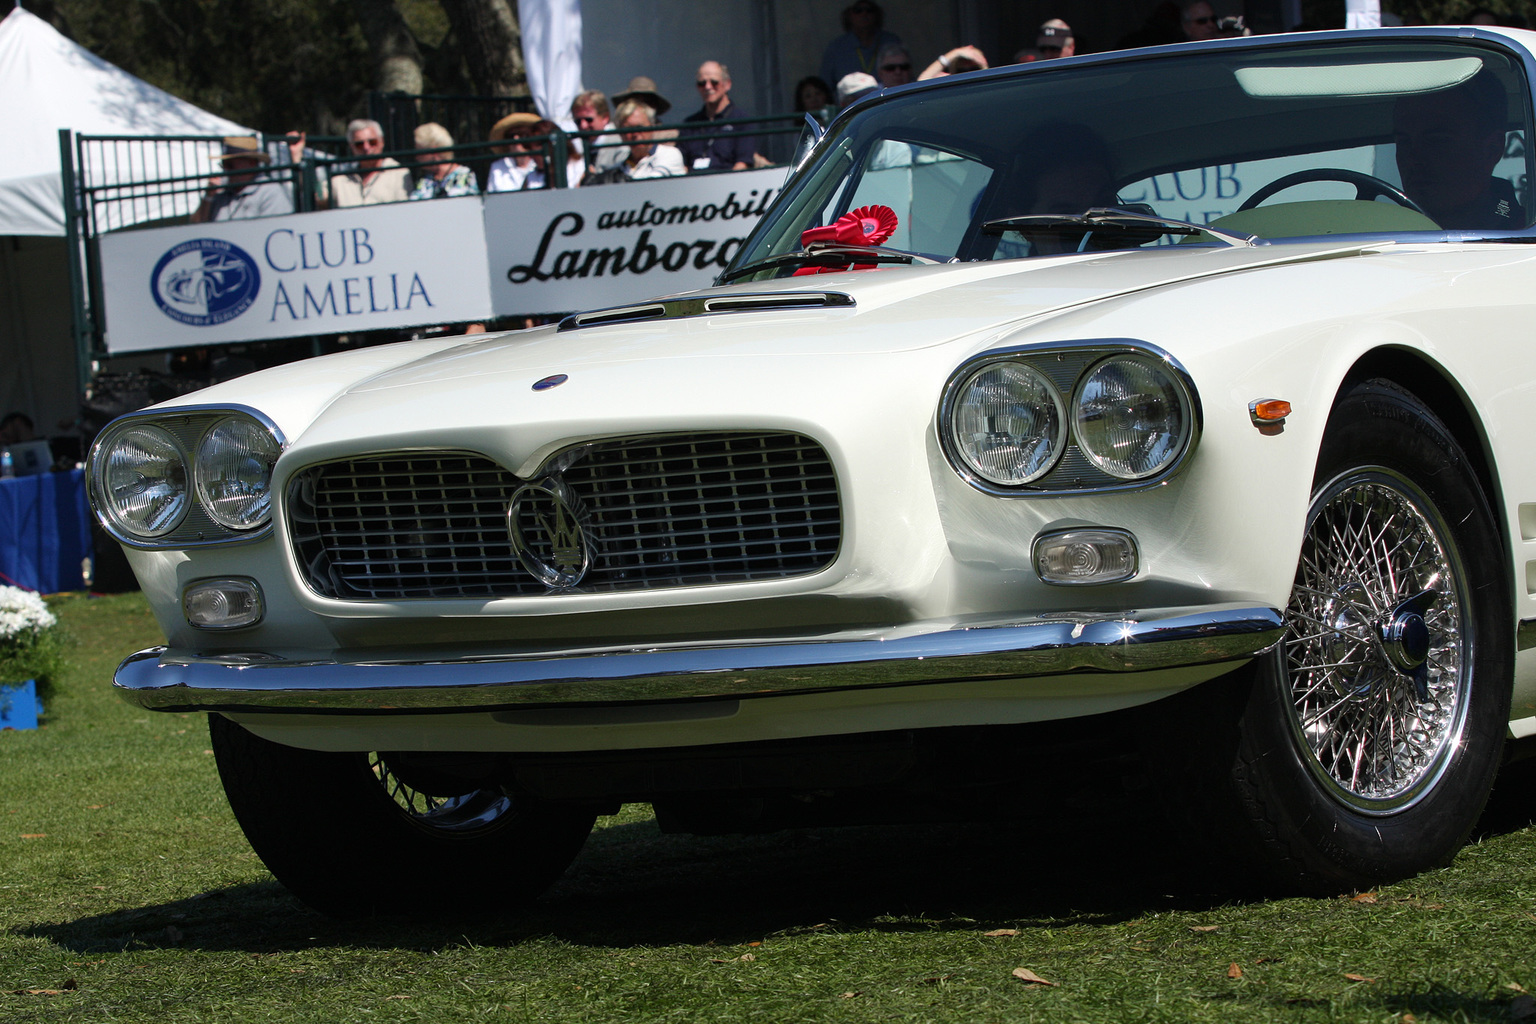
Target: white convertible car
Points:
(1170, 400)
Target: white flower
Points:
(22, 611)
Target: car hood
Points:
(779, 354)
(911, 308)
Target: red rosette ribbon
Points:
(803, 271)
(868, 225)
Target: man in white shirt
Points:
(589, 110)
(376, 179)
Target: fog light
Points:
(222, 604)
(1085, 556)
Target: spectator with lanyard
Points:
(862, 40)
(728, 150)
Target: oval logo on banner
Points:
(205, 281)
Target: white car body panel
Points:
(792, 370)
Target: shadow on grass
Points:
(634, 886)
(1512, 806)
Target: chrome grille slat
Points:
(663, 511)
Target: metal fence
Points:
(465, 117)
(115, 183)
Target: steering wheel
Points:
(1367, 186)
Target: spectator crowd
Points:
(626, 138)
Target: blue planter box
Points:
(18, 705)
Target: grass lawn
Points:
(127, 893)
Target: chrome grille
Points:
(674, 510)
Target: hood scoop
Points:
(676, 309)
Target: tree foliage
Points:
(1330, 13)
(276, 65)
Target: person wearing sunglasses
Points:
(893, 66)
(728, 150)
(371, 178)
(589, 112)
(374, 178)
(1199, 21)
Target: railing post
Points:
(561, 144)
(308, 183)
(74, 240)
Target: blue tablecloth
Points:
(45, 531)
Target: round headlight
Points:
(142, 482)
(1131, 417)
(1008, 423)
(234, 473)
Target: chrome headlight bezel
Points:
(1177, 422)
(250, 470)
(1049, 442)
(163, 468)
(187, 427)
(1066, 365)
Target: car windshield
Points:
(1381, 137)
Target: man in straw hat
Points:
(238, 193)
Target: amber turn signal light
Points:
(1269, 410)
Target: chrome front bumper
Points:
(1059, 644)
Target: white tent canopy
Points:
(50, 83)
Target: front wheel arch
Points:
(1410, 370)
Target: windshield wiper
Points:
(826, 254)
(1112, 218)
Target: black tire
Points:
(349, 838)
(1349, 766)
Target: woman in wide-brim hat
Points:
(643, 90)
(510, 173)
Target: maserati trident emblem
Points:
(550, 532)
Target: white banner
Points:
(1362, 13)
(558, 251)
(332, 272)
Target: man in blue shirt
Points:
(729, 150)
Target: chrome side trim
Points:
(705, 305)
(1053, 645)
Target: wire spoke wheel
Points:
(383, 833)
(463, 813)
(1379, 714)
